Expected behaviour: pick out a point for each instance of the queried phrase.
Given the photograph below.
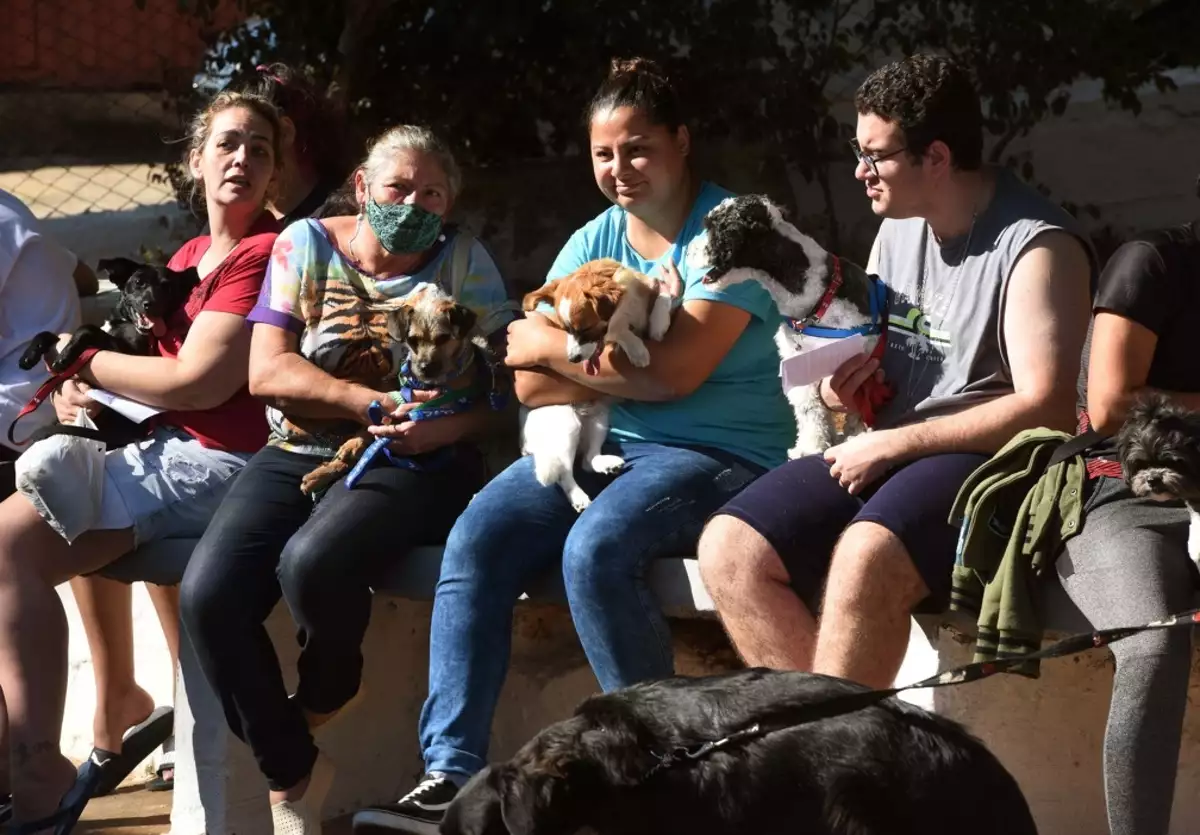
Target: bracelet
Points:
(397, 398)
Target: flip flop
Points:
(138, 743)
(166, 763)
(64, 818)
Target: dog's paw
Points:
(605, 464)
(579, 499)
(660, 318)
(638, 355)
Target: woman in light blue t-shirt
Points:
(705, 418)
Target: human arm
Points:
(702, 332)
(1119, 365)
(284, 379)
(1137, 299)
(1045, 324)
(209, 369)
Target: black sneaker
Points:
(419, 811)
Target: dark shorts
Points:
(802, 511)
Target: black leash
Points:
(851, 702)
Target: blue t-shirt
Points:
(740, 408)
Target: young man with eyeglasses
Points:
(989, 296)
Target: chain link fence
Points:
(86, 92)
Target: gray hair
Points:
(411, 138)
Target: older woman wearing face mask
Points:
(321, 355)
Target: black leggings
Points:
(267, 540)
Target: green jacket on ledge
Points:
(1014, 513)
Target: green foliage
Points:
(509, 79)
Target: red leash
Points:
(50, 385)
(873, 394)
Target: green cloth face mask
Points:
(403, 228)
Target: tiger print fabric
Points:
(340, 314)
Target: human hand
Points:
(671, 283)
(533, 341)
(70, 398)
(838, 391)
(411, 437)
(862, 460)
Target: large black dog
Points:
(890, 768)
(148, 294)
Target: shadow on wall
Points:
(144, 233)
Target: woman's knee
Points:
(308, 567)
(1169, 650)
(204, 601)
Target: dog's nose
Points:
(1155, 483)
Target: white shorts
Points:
(168, 485)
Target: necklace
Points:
(925, 303)
(923, 300)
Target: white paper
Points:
(137, 412)
(812, 364)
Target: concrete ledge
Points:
(1048, 731)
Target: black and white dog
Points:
(821, 297)
(889, 768)
(1159, 448)
(149, 296)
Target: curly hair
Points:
(931, 98)
(641, 84)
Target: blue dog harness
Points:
(878, 305)
(453, 402)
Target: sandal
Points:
(64, 818)
(138, 743)
(164, 779)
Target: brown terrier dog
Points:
(442, 350)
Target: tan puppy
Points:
(601, 302)
(437, 331)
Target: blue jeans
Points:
(515, 530)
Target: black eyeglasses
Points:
(872, 160)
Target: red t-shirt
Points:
(239, 424)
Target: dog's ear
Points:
(518, 800)
(462, 320)
(606, 299)
(188, 278)
(398, 319)
(117, 270)
(545, 293)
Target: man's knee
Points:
(872, 567)
(734, 558)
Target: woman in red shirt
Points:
(167, 485)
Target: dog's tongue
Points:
(592, 364)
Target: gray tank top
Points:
(946, 348)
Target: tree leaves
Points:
(509, 80)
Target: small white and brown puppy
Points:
(1159, 449)
(601, 302)
(443, 351)
(821, 297)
